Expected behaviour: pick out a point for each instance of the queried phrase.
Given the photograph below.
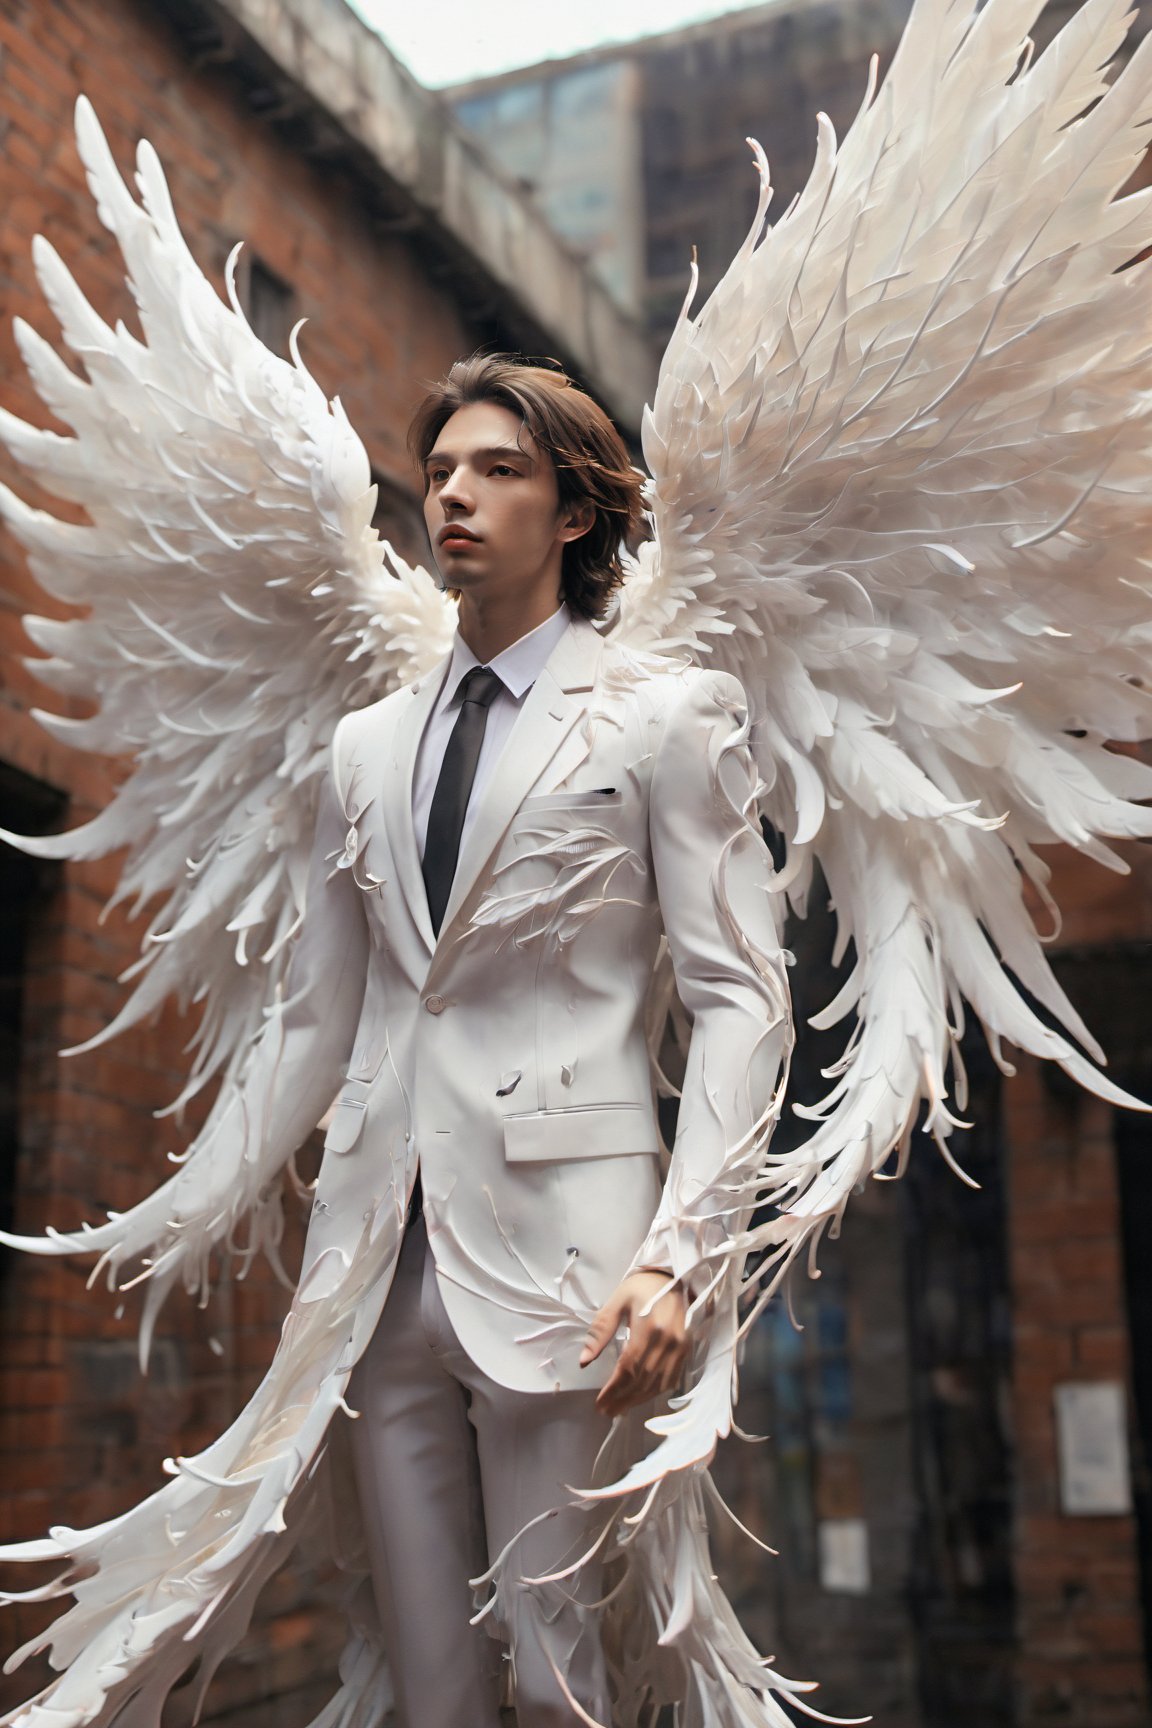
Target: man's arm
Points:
(713, 877)
(714, 881)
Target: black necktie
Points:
(477, 691)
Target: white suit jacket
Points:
(508, 1056)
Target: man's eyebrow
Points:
(493, 450)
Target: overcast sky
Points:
(450, 41)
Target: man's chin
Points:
(456, 576)
(448, 579)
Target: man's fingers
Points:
(662, 1348)
(630, 1363)
(642, 1374)
(655, 1350)
(621, 1393)
(617, 1397)
(667, 1366)
(617, 1391)
(600, 1332)
(670, 1379)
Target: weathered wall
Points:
(491, 227)
(574, 142)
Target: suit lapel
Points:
(396, 798)
(543, 723)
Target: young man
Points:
(517, 828)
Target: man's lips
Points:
(455, 535)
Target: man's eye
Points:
(504, 468)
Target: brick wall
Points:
(1081, 1657)
(79, 1438)
(1081, 1642)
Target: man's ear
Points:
(577, 520)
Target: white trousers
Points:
(449, 1468)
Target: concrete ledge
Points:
(414, 140)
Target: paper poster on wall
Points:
(844, 1560)
(1092, 1442)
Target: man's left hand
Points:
(653, 1358)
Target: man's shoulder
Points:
(666, 681)
(384, 712)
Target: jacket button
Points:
(434, 1004)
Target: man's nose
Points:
(456, 493)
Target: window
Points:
(399, 519)
(268, 301)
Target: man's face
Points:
(492, 506)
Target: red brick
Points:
(1103, 1348)
(1078, 1614)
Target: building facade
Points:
(637, 153)
(365, 209)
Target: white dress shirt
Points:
(518, 667)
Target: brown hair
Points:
(589, 456)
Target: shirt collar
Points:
(519, 665)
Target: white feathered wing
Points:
(902, 488)
(239, 602)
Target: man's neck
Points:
(490, 628)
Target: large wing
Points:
(902, 488)
(238, 602)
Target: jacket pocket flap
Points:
(601, 1131)
(344, 1128)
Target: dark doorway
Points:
(959, 1335)
(27, 806)
(1134, 1171)
(1112, 987)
